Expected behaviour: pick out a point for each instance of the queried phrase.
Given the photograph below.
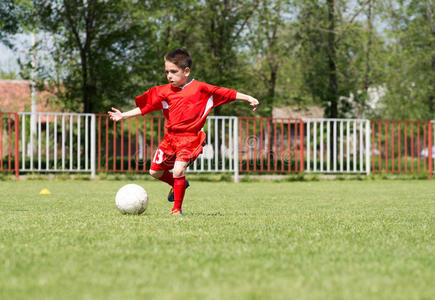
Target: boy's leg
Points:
(179, 184)
(163, 175)
(162, 162)
(188, 147)
(171, 192)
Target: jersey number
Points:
(158, 157)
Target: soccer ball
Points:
(131, 199)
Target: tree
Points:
(96, 45)
(9, 20)
(271, 44)
(411, 64)
(332, 42)
(222, 24)
(172, 24)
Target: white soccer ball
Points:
(131, 199)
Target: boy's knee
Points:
(156, 174)
(178, 172)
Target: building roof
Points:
(15, 96)
(297, 112)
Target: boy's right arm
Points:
(148, 102)
(117, 115)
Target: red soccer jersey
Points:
(186, 108)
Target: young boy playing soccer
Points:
(186, 104)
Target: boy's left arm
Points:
(222, 95)
(252, 101)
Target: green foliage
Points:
(96, 46)
(411, 81)
(366, 59)
(8, 75)
(333, 53)
(9, 18)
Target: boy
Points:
(186, 104)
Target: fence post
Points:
(430, 134)
(236, 149)
(93, 146)
(368, 147)
(17, 156)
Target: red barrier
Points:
(9, 143)
(271, 145)
(266, 145)
(401, 146)
(128, 145)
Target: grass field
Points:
(293, 240)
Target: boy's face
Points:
(175, 75)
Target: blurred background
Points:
(330, 58)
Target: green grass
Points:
(287, 240)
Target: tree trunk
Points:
(368, 66)
(369, 45)
(85, 97)
(332, 57)
(432, 91)
(272, 84)
(273, 64)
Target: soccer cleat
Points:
(171, 192)
(176, 212)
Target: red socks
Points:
(179, 190)
(167, 177)
(179, 186)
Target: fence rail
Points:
(271, 145)
(70, 142)
(401, 146)
(127, 145)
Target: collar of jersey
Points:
(182, 87)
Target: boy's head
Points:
(177, 67)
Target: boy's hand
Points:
(115, 115)
(253, 102)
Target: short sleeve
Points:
(150, 101)
(220, 95)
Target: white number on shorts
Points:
(158, 157)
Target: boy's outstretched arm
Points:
(252, 101)
(117, 115)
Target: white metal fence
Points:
(337, 146)
(220, 153)
(57, 142)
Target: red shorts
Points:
(177, 147)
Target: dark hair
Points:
(180, 58)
